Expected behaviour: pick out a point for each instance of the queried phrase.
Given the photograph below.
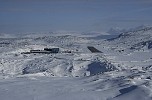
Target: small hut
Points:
(52, 50)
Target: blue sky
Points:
(72, 15)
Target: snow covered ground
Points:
(121, 72)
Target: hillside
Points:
(122, 70)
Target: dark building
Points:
(52, 50)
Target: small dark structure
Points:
(34, 51)
(45, 51)
(39, 51)
(52, 50)
(93, 49)
(25, 52)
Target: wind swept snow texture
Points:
(121, 72)
(99, 67)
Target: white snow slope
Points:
(121, 72)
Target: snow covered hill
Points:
(139, 37)
(77, 63)
(121, 72)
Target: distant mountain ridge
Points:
(141, 30)
(134, 39)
